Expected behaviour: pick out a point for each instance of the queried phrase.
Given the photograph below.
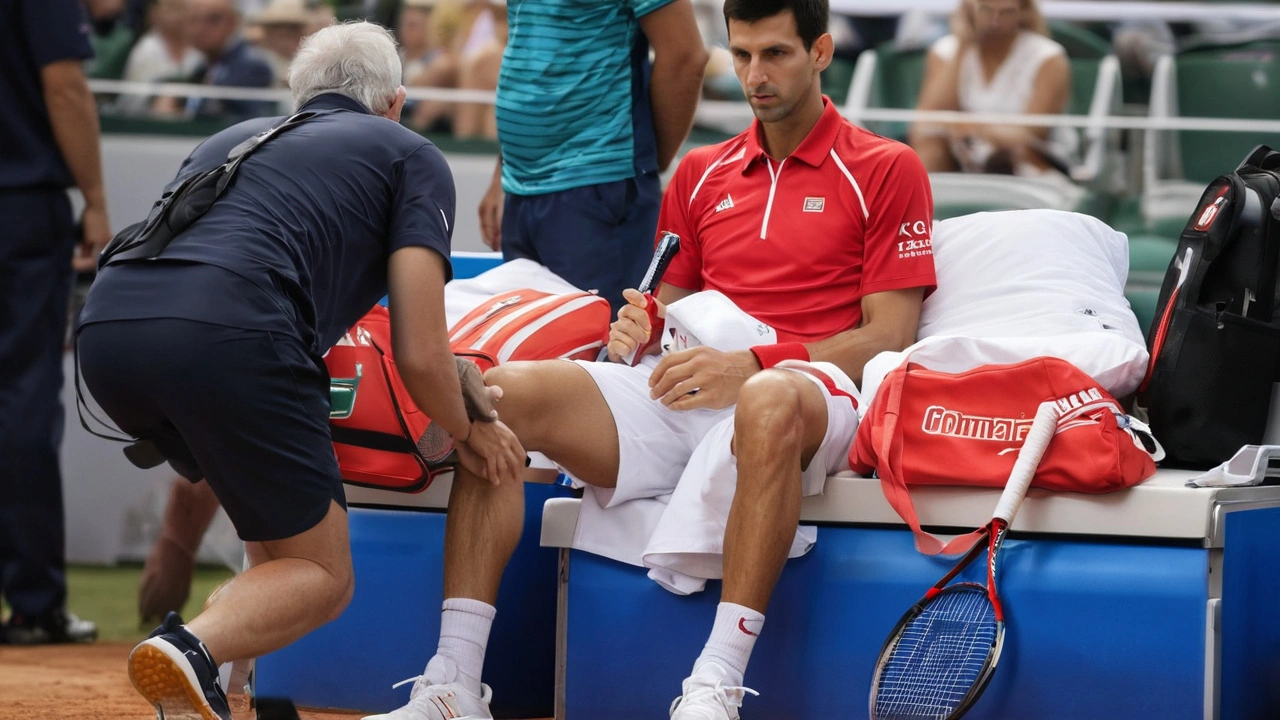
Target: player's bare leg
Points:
(553, 407)
(779, 424)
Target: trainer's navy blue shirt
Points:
(300, 240)
(33, 34)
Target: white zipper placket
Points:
(773, 187)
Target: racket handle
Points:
(666, 249)
(1024, 468)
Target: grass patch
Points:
(109, 597)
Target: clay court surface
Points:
(85, 682)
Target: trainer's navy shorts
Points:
(597, 237)
(247, 410)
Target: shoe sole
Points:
(158, 675)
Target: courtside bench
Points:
(1153, 603)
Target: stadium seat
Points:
(1080, 43)
(837, 78)
(886, 77)
(1237, 81)
(1149, 258)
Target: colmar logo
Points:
(725, 204)
(939, 420)
(814, 204)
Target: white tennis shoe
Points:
(444, 701)
(706, 697)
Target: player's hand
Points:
(491, 213)
(493, 452)
(97, 232)
(716, 376)
(632, 329)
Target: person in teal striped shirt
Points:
(586, 122)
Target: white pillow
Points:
(1028, 283)
(1026, 273)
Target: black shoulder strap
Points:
(183, 206)
(241, 152)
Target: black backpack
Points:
(1215, 338)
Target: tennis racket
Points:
(943, 652)
(667, 248)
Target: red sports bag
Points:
(381, 438)
(533, 325)
(926, 427)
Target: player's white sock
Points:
(464, 634)
(733, 636)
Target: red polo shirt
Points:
(798, 243)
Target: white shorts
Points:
(842, 424)
(656, 443)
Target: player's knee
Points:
(518, 381)
(525, 396)
(770, 409)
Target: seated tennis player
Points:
(809, 224)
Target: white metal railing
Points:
(1098, 10)
(722, 111)
(218, 92)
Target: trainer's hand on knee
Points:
(632, 328)
(502, 454)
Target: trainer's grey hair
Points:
(356, 59)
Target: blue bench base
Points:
(1094, 630)
(389, 631)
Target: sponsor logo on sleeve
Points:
(914, 240)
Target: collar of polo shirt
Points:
(813, 150)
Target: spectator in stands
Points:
(426, 32)
(480, 59)
(214, 29)
(48, 143)
(583, 138)
(801, 221)
(454, 45)
(283, 24)
(163, 53)
(111, 39)
(998, 59)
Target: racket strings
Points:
(939, 656)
